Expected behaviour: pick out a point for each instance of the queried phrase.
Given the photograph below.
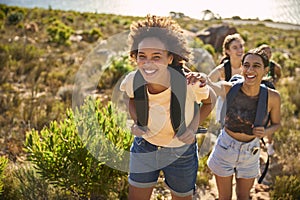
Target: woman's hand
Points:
(137, 130)
(194, 77)
(259, 131)
(188, 136)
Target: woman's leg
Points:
(181, 174)
(243, 187)
(224, 185)
(143, 172)
(139, 193)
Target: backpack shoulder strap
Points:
(227, 68)
(141, 100)
(177, 104)
(178, 99)
(261, 112)
(272, 68)
(229, 97)
(262, 106)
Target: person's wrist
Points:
(192, 130)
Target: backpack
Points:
(272, 69)
(261, 107)
(261, 111)
(227, 68)
(177, 105)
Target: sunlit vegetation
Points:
(40, 52)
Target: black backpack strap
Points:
(227, 68)
(261, 112)
(262, 106)
(141, 100)
(272, 69)
(269, 84)
(177, 104)
(263, 174)
(178, 98)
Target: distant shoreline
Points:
(103, 7)
(279, 25)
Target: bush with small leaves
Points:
(15, 18)
(93, 35)
(118, 67)
(74, 153)
(59, 32)
(3, 164)
(286, 187)
(23, 183)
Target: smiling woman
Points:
(153, 64)
(236, 149)
(165, 110)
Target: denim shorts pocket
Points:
(254, 148)
(223, 143)
(185, 152)
(139, 141)
(138, 145)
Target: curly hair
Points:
(166, 30)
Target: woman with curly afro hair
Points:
(165, 110)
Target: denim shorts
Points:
(230, 156)
(179, 165)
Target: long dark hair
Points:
(261, 53)
(226, 44)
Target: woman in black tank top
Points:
(236, 152)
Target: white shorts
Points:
(230, 156)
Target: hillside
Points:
(41, 52)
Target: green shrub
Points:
(3, 56)
(286, 188)
(95, 32)
(23, 52)
(4, 8)
(59, 32)
(245, 35)
(210, 49)
(204, 174)
(93, 35)
(196, 43)
(15, 18)
(118, 67)
(280, 58)
(2, 15)
(74, 154)
(116, 20)
(236, 18)
(290, 67)
(3, 164)
(23, 183)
